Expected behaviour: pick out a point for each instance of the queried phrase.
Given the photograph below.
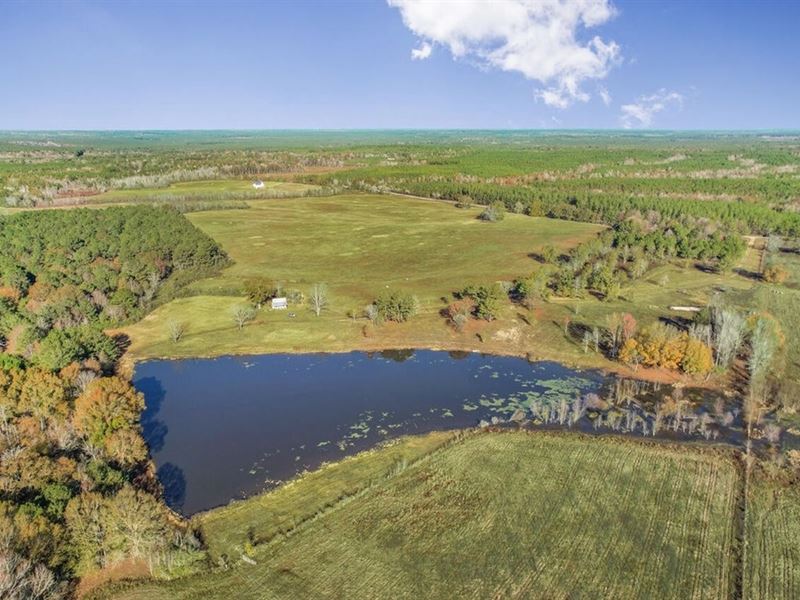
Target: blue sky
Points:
(182, 65)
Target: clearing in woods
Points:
(484, 515)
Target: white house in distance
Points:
(258, 184)
(280, 304)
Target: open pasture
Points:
(360, 246)
(363, 244)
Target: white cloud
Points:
(421, 53)
(604, 96)
(641, 112)
(537, 38)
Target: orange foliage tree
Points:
(109, 405)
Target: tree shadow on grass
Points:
(751, 275)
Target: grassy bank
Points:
(263, 517)
(496, 515)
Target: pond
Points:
(230, 427)
(226, 428)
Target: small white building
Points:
(280, 304)
(258, 184)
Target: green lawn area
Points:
(360, 246)
(488, 516)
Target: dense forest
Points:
(64, 275)
(77, 489)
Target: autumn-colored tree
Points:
(126, 447)
(629, 353)
(259, 290)
(651, 341)
(39, 291)
(673, 350)
(10, 384)
(26, 470)
(108, 405)
(43, 396)
(42, 540)
(459, 311)
(70, 373)
(662, 346)
(698, 359)
(628, 326)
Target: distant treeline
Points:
(743, 217)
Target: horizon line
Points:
(401, 129)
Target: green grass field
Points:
(265, 516)
(360, 246)
(491, 516)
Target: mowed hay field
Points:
(497, 515)
(360, 246)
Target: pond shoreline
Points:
(716, 447)
(128, 362)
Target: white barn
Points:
(258, 184)
(280, 303)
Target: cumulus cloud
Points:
(641, 112)
(537, 38)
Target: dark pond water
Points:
(226, 428)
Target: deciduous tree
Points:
(319, 298)
(107, 406)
